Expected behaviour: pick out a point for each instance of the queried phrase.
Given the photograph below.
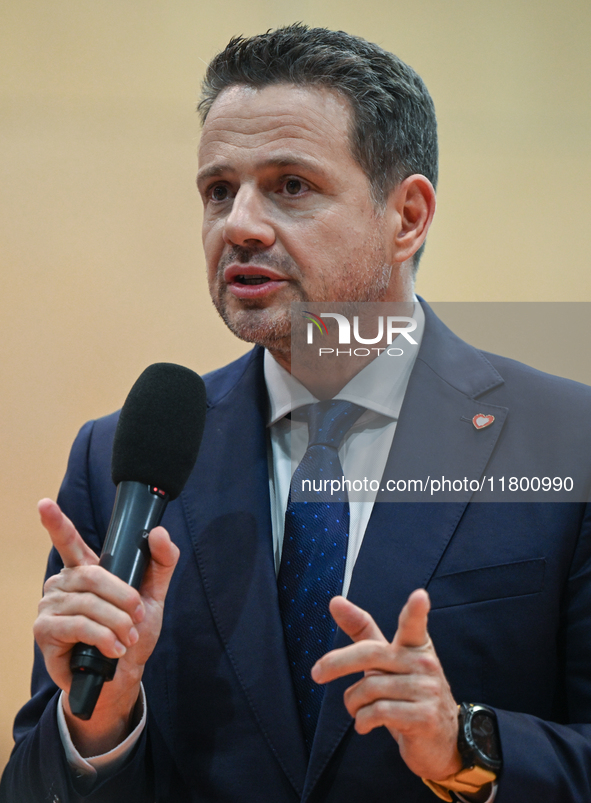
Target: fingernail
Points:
(138, 614)
(315, 672)
(133, 635)
(120, 648)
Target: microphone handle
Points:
(138, 509)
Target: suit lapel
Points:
(405, 540)
(228, 514)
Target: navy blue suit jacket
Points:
(510, 586)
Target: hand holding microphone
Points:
(86, 603)
(154, 451)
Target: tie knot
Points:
(329, 420)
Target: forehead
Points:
(244, 123)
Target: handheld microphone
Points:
(155, 448)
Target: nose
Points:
(248, 224)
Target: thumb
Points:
(164, 558)
(412, 622)
(354, 621)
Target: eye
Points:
(218, 193)
(293, 186)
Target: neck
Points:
(325, 370)
(325, 381)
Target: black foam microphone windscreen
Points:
(155, 448)
(160, 428)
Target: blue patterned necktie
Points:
(314, 553)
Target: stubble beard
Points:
(255, 323)
(269, 326)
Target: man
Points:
(317, 167)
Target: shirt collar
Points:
(379, 387)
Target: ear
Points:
(412, 204)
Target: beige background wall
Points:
(101, 268)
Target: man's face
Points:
(288, 214)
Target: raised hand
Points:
(84, 602)
(403, 688)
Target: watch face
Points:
(484, 735)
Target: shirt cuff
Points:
(89, 771)
(489, 799)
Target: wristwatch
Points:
(480, 749)
(478, 737)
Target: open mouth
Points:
(251, 279)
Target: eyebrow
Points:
(287, 160)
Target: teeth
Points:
(252, 279)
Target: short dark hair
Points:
(394, 131)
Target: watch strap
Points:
(467, 781)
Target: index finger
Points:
(412, 622)
(65, 537)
